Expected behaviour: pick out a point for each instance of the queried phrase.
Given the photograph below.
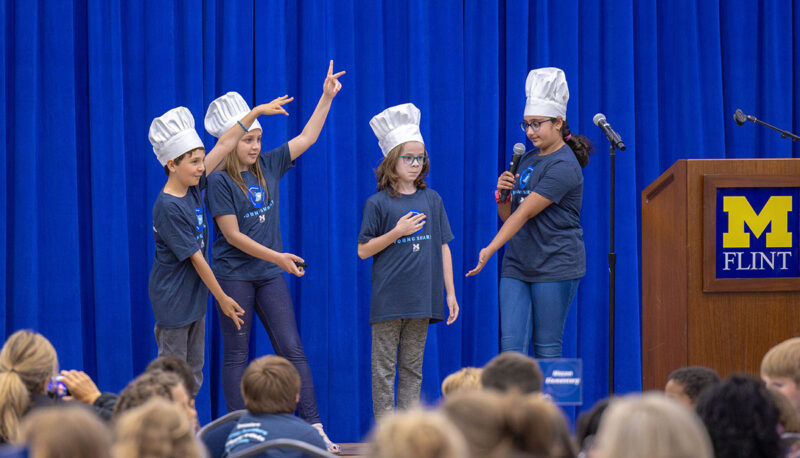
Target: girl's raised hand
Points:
(331, 86)
(276, 106)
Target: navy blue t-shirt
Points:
(549, 247)
(407, 276)
(177, 293)
(253, 429)
(257, 214)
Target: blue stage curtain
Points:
(80, 82)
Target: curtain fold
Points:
(82, 80)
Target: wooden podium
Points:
(688, 316)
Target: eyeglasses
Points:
(410, 160)
(534, 125)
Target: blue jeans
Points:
(540, 308)
(271, 301)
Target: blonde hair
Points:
(156, 429)
(27, 361)
(651, 425)
(65, 432)
(416, 433)
(231, 165)
(783, 360)
(386, 172)
(467, 378)
(270, 384)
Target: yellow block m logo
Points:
(775, 211)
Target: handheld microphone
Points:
(519, 150)
(600, 121)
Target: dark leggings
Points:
(272, 303)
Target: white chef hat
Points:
(226, 111)
(547, 93)
(173, 134)
(396, 125)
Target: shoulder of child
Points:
(166, 204)
(377, 198)
(217, 178)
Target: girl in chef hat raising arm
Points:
(248, 254)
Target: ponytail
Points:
(580, 145)
(14, 401)
(27, 360)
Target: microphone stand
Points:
(784, 133)
(612, 261)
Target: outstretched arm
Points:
(229, 139)
(530, 207)
(298, 145)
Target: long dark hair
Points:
(580, 145)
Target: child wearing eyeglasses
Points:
(405, 230)
(545, 257)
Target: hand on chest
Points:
(419, 240)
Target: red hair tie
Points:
(567, 137)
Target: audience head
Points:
(179, 367)
(271, 385)
(741, 418)
(685, 384)
(480, 416)
(151, 384)
(468, 378)
(780, 369)
(789, 419)
(498, 424)
(155, 429)
(27, 361)
(416, 433)
(511, 370)
(65, 432)
(536, 427)
(588, 424)
(650, 425)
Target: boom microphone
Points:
(741, 118)
(600, 121)
(519, 150)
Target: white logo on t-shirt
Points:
(415, 248)
(262, 218)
